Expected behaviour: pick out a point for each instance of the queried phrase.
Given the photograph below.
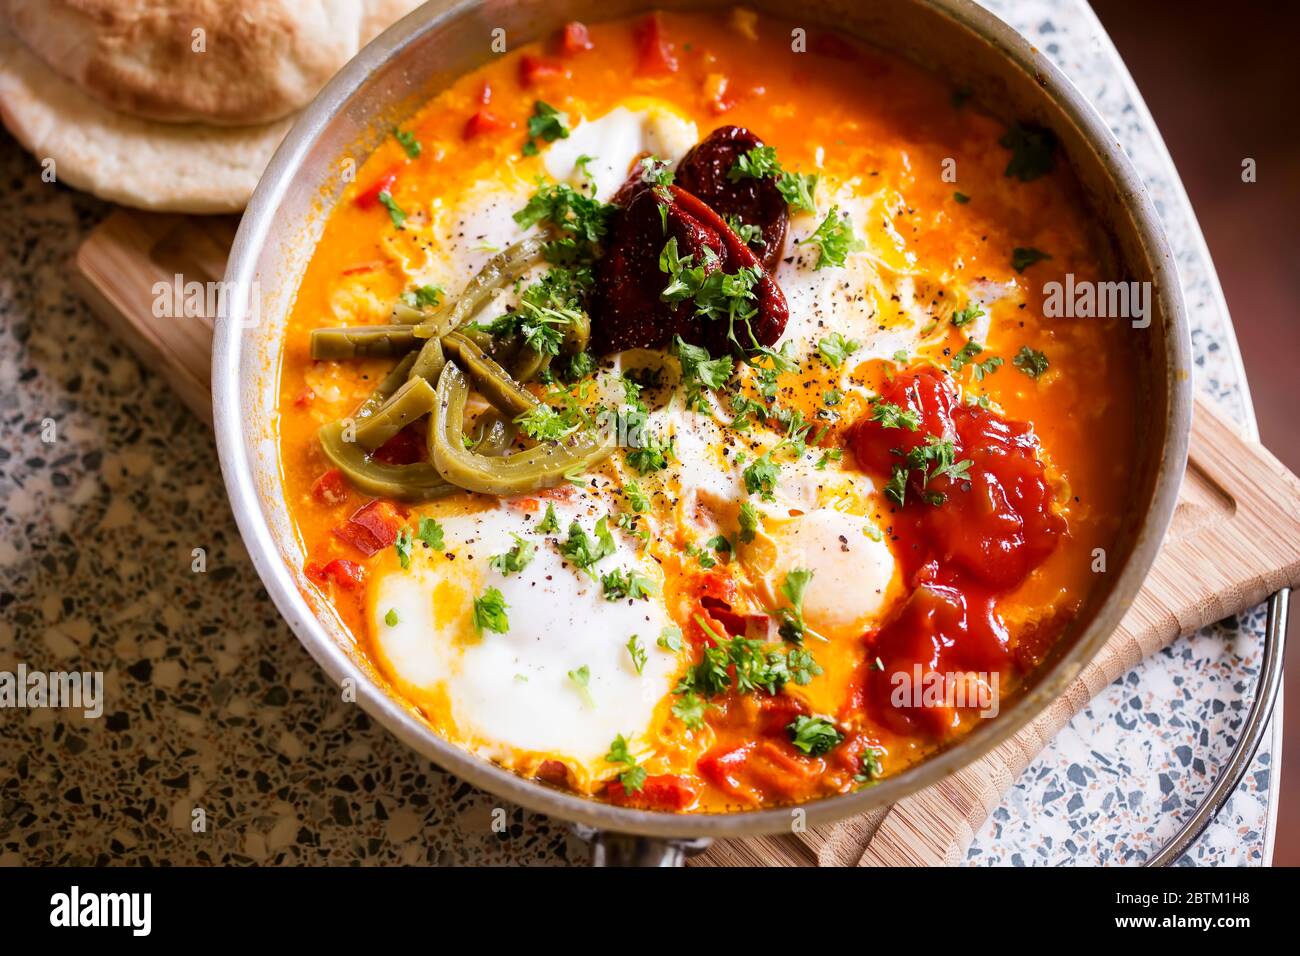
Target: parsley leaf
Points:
(639, 656)
(670, 638)
(549, 522)
(835, 348)
(813, 735)
(1032, 148)
(632, 585)
(402, 545)
(1030, 361)
(966, 316)
(516, 559)
(490, 612)
(890, 415)
(430, 533)
(633, 778)
(409, 142)
(749, 522)
(792, 626)
(583, 551)
(761, 476)
(581, 677)
(1022, 258)
(395, 212)
(547, 123)
(391, 617)
(834, 239)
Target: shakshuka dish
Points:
(669, 413)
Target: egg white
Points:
(509, 696)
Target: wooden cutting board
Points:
(1235, 539)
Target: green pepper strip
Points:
(500, 270)
(521, 472)
(418, 482)
(428, 362)
(490, 378)
(413, 399)
(365, 341)
(390, 384)
(495, 434)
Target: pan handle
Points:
(627, 849)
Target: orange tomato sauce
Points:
(850, 112)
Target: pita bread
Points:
(136, 162)
(235, 62)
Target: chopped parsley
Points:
(402, 545)
(636, 498)
(490, 612)
(1033, 150)
(749, 522)
(543, 422)
(670, 638)
(549, 522)
(834, 239)
(395, 212)
(516, 559)
(761, 163)
(761, 476)
(408, 141)
(1022, 258)
(966, 355)
(391, 617)
(961, 198)
(651, 456)
(1030, 361)
(430, 532)
(633, 778)
(581, 220)
(966, 316)
(424, 297)
(639, 656)
(890, 415)
(631, 585)
(792, 626)
(547, 124)
(690, 708)
(813, 735)
(872, 769)
(700, 372)
(835, 348)
(583, 551)
(581, 677)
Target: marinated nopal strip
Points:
(493, 435)
(417, 482)
(543, 466)
(493, 381)
(370, 341)
(497, 273)
(428, 362)
(705, 172)
(414, 399)
(385, 389)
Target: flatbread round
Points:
(235, 62)
(136, 162)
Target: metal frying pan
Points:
(444, 39)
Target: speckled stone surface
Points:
(213, 706)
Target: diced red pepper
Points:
(404, 448)
(662, 791)
(330, 488)
(305, 397)
(536, 69)
(574, 38)
(723, 766)
(482, 123)
(346, 574)
(372, 527)
(369, 197)
(654, 53)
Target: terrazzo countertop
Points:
(222, 742)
